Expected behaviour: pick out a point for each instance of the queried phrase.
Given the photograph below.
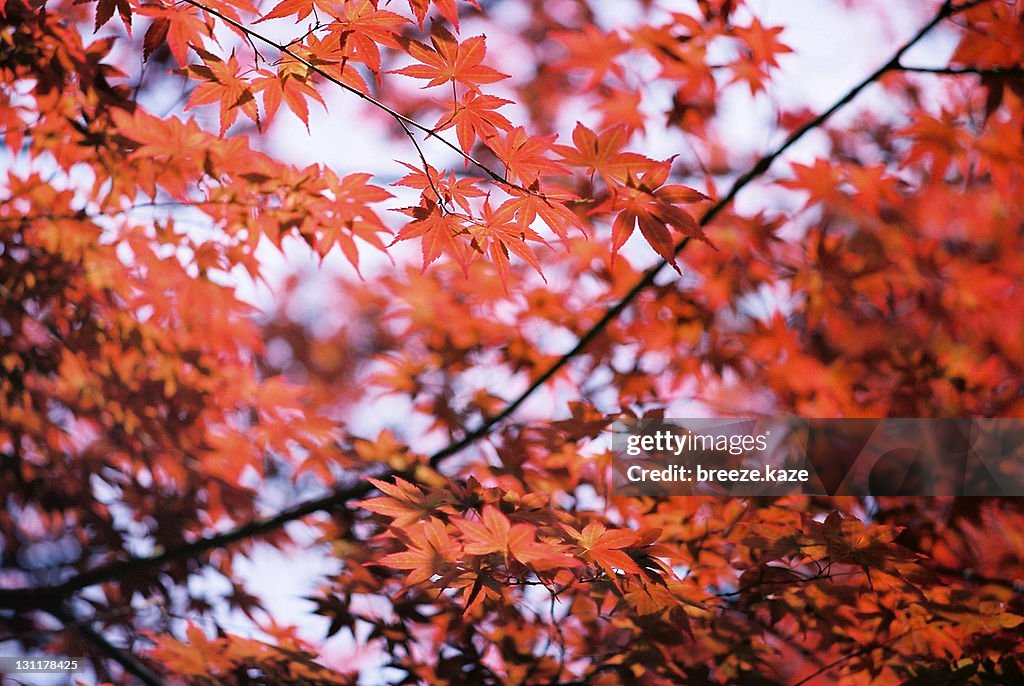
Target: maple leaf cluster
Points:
(431, 433)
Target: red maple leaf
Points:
(499, 234)
(453, 191)
(450, 61)
(593, 50)
(365, 28)
(290, 85)
(525, 156)
(222, 84)
(105, 10)
(178, 26)
(300, 8)
(530, 205)
(644, 200)
(602, 153)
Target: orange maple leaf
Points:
(602, 153)
(403, 502)
(441, 232)
(450, 60)
(222, 84)
(644, 200)
(474, 117)
(495, 534)
(429, 552)
(604, 547)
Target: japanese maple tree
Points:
(424, 414)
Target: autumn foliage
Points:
(543, 240)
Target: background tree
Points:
(428, 430)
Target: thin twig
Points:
(426, 165)
(393, 113)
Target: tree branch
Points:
(125, 568)
(345, 494)
(849, 656)
(969, 576)
(129, 662)
(757, 170)
(954, 71)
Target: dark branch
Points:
(129, 662)
(759, 168)
(348, 493)
(126, 568)
(46, 598)
(954, 71)
(968, 576)
(850, 656)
